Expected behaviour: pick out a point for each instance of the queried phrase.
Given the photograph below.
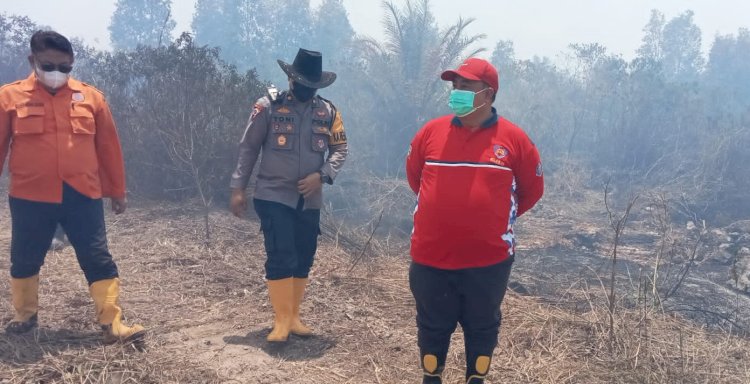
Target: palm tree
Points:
(402, 74)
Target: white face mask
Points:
(53, 79)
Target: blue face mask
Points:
(462, 102)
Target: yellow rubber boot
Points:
(109, 314)
(25, 298)
(297, 327)
(281, 293)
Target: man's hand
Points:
(310, 184)
(238, 202)
(119, 204)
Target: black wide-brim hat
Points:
(307, 69)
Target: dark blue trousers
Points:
(470, 297)
(82, 218)
(290, 237)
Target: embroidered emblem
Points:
(499, 151)
(257, 108)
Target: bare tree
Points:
(617, 224)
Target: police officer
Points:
(304, 146)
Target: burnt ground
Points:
(207, 312)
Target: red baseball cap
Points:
(474, 69)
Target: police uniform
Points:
(294, 138)
(297, 139)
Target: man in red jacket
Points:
(474, 173)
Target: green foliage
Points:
(141, 22)
(668, 118)
(504, 59)
(729, 67)
(727, 119)
(657, 121)
(398, 86)
(682, 49)
(651, 48)
(180, 112)
(225, 24)
(332, 34)
(254, 34)
(15, 32)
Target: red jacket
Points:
(471, 187)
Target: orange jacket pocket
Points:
(82, 122)
(29, 121)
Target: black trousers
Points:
(290, 237)
(33, 227)
(470, 297)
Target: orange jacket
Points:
(67, 137)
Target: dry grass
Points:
(207, 313)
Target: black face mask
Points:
(302, 93)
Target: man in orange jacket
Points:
(65, 156)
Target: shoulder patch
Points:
(338, 135)
(257, 109)
(260, 105)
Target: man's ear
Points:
(31, 60)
